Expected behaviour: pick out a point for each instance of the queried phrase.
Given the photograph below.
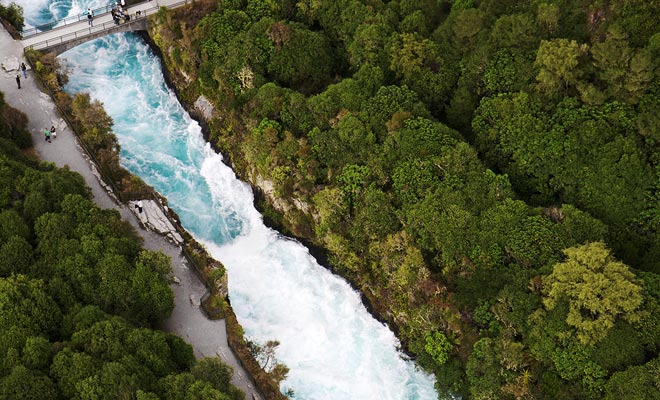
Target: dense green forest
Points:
(485, 171)
(79, 296)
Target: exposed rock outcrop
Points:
(153, 218)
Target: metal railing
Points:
(81, 33)
(60, 23)
(107, 26)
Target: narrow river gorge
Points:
(334, 348)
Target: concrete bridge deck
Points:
(64, 37)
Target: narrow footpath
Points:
(208, 338)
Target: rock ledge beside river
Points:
(153, 218)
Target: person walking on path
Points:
(47, 135)
(90, 17)
(53, 133)
(24, 69)
(18, 81)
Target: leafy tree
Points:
(413, 180)
(637, 382)
(16, 256)
(25, 310)
(598, 289)
(11, 224)
(420, 65)
(36, 353)
(419, 138)
(513, 127)
(402, 266)
(513, 304)
(304, 62)
(96, 124)
(215, 372)
(638, 18)
(185, 386)
(534, 242)
(352, 15)
(626, 74)
(469, 22)
(483, 370)
(70, 367)
(25, 384)
(641, 75)
(438, 346)
(352, 180)
(432, 11)
(114, 380)
(415, 23)
(357, 141)
(552, 342)
(647, 329)
(558, 62)
(511, 31)
(620, 348)
(375, 216)
(153, 300)
(13, 13)
(114, 272)
(332, 207)
(548, 17)
(507, 71)
(389, 100)
(578, 227)
(140, 395)
(258, 9)
(79, 318)
(431, 224)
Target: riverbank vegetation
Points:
(79, 296)
(11, 16)
(484, 171)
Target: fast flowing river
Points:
(333, 347)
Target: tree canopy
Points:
(457, 160)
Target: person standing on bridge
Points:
(90, 17)
(115, 16)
